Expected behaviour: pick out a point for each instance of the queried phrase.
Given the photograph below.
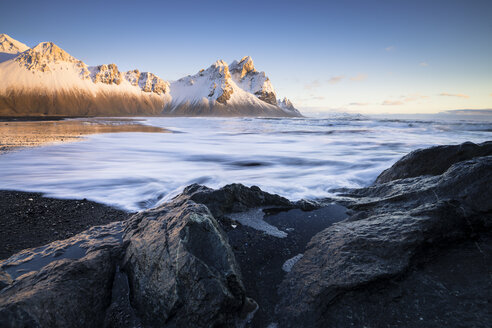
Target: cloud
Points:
(424, 64)
(404, 100)
(335, 79)
(312, 85)
(490, 95)
(460, 95)
(358, 104)
(413, 97)
(359, 77)
(390, 48)
(392, 102)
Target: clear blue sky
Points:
(364, 56)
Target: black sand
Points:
(30, 220)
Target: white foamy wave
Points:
(296, 158)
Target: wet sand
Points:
(16, 133)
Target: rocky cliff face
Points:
(108, 74)
(148, 82)
(248, 78)
(45, 56)
(46, 80)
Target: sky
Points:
(355, 56)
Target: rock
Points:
(235, 198)
(108, 74)
(433, 161)
(402, 239)
(63, 284)
(181, 269)
(149, 82)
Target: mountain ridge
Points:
(47, 80)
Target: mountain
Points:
(9, 48)
(222, 90)
(46, 80)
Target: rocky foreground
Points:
(412, 250)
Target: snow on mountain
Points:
(249, 79)
(9, 48)
(46, 80)
(235, 90)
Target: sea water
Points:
(296, 158)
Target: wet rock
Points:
(63, 284)
(181, 269)
(433, 161)
(234, 198)
(120, 312)
(360, 268)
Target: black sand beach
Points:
(30, 220)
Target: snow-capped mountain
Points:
(46, 80)
(9, 48)
(235, 90)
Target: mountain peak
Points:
(219, 69)
(243, 67)
(44, 54)
(11, 46)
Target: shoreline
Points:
(27, 132)
(28, 219)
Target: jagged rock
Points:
(358, 269)
(63, 284)
(181, 269)
(133, 77)
(233, 198)
(149, 82)
(108, 74)
(247, 77)
(41, 56)
(433, 161)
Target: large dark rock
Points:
(63, 284)
(234, 198)
(177, 269)
(181, 269)
(395, 262)
(433, 161)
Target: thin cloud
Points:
(358, 104)
(490, 95)
(404, 100)
(335, 79)
(392, 102)
(359, 77)
(390, 48)
(424, 64)
(312, 85)
(460, 95)
(413, 97)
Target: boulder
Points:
(63, 284)
(433, 161)
(236, 198)
(402, 239)
(181, 269)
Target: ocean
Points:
(293, 157)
